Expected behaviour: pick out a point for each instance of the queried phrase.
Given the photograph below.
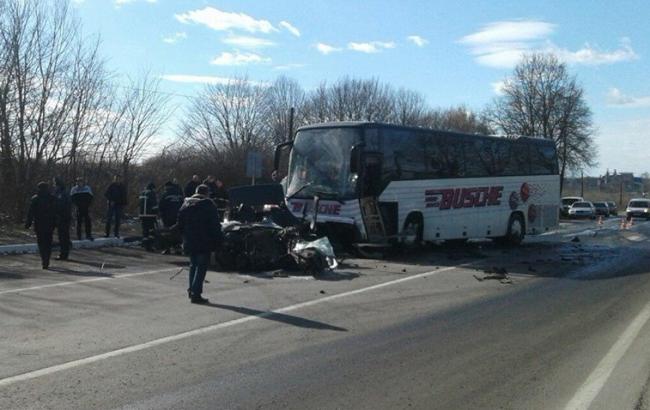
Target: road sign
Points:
(254, 165)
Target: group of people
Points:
(51, 209)
(195, 212)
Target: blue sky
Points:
(452, 52)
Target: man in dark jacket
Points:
(116, 197)
(198, 222)
(148, 202)
(64, 218)
(190, 187)
(171, 201)
(82, 196)
(42, 214)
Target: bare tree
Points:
(410, 108)
(351, 99)
(141, 114)
(283, 95)
(459, 119)
(228, 119)
(541, 99)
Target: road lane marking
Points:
(593, 385)
(77, 282)
(207, 329)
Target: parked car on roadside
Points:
(613, 209)
(638, 208)
(567, 201)
(601, 208)
(582, 209)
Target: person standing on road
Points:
(221, 197)
(171, 201)
(43, 215)
(148, 202)
(64, 218)
(117, 199)
(198, 223)
(190, 187)
(82, 197)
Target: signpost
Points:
(254, 165)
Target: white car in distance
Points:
(582, 209)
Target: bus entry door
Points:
(370, 190)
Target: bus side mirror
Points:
(355, 158)
(278, 153)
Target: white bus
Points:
(383, 184)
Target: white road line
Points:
(77, 282)
(203, 330)
(598, 377)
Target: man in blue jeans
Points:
(198, 222)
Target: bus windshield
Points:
(320, 163)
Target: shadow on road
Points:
(10, 275)
(279, 317)
(336, 275)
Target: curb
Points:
(83, 244)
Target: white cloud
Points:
(497, 87)
(175, 38)
(417, 40)
(237, 58)
(617, 98)
(508, 32)
(371, 46)
(502, 44)
(589, 55)
(123, 2)
(198, 79)
(206, 79)
(223, 20)
(326, 48)
(290, 66)
(248, 42)
(292, 29)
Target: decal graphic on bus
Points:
(463, 197)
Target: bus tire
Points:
(515, 232)
(414, 227)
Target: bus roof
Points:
(371, 124)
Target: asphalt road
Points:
(567, 328)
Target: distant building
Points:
(614, 180)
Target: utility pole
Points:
(582, 184)
(620, 195)
(291, 113)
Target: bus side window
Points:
(543, 160)
(474, 165)
(519, 163)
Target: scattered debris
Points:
(500, 274)
(575, 239)
(176, 274)
(322, 292)
(246, 281)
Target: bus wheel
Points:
(516, 231)
(413, 230)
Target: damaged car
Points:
(260, 233)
